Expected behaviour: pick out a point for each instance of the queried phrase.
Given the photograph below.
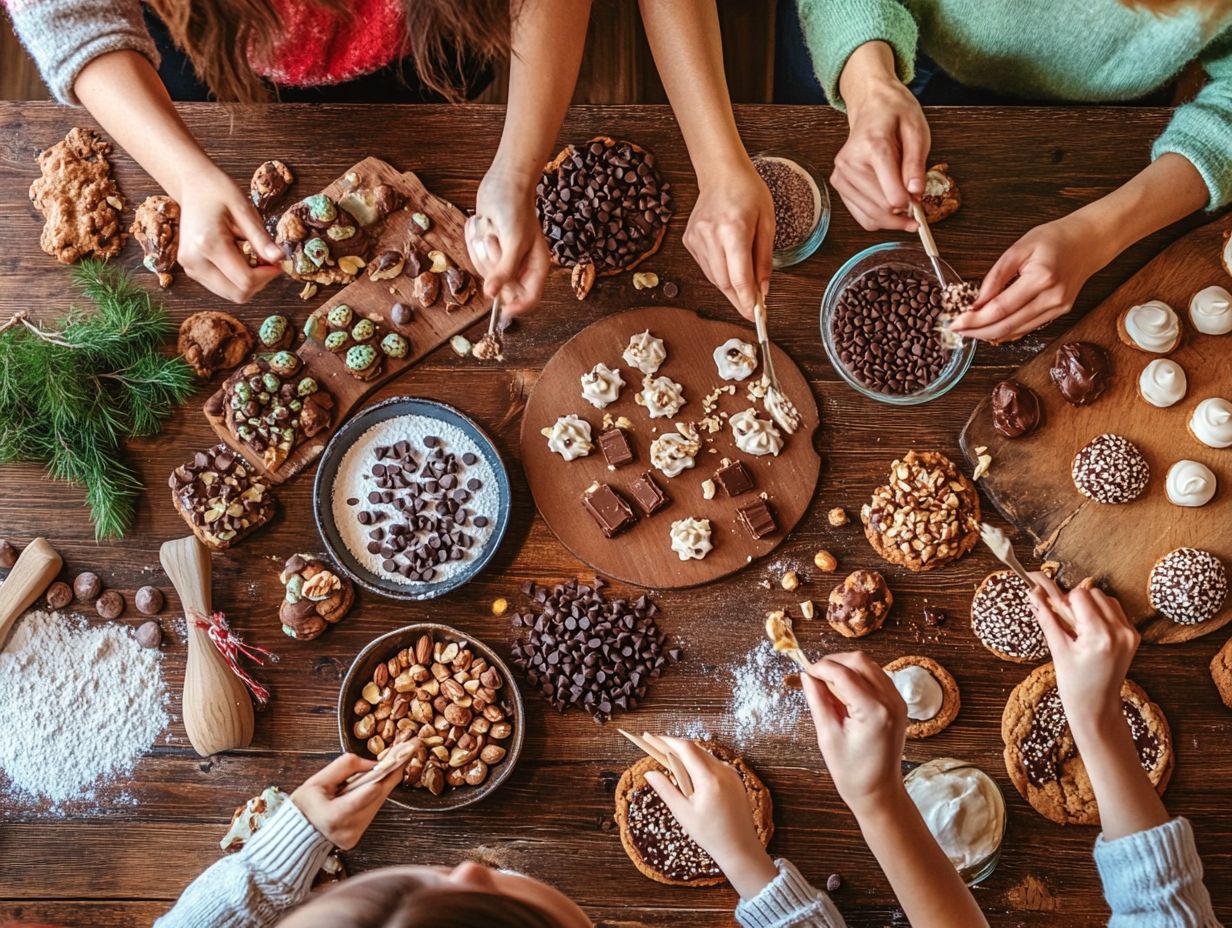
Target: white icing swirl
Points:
(661, 396)
(920, 691)
(672, 453)
(1190, 483)
(601, 385)
(1211, 422)
(735, 359)
(1163, 383)
(1210, 311)
(1153, 326)
(755, 436)
(691, 538)
(645, 352)
(570, 437)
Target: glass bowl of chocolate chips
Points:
(880, 319)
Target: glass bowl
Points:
(821, 223)
(982, 869)
(902, 256)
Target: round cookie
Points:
(1002, 620)
(1043, 762)
(682, 862)
(950, 703)
(859, 605)
(1188, 586)
(1221, 672)
(1110, 469)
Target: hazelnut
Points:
(825, 561)
(500, 606)
(837, 516)
(87, 586)
(148, 600)
(59, 595)
(790, 580)
(149, 634)
(8, 553)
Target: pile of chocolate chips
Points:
(604, 204)
(585, 651)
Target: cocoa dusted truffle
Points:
(1015, 409)
(1081, 372)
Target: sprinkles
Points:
(1002, 619)
(1188, 585)
(1110, 469)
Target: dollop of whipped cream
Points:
(1210, 311)
(672, 453)
(755, 436)
(1163, 383)
(961, 807)
(645, 352)
(1153, 326)
(735, 359)
(1211, 422)
(569, 437)
(601, 385)
(661, 396)
(1190, 483)
(920, 691)
(691, 538)
(782, 410)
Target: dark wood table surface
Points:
(123, 860)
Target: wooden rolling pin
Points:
(31, 575)
(217, 708)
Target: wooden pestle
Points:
(36, 567)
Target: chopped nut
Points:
(309, 291)
(645, 280)
(825, 561)
(582, 279)
(807, 609)
(421, 220)
(790, 581)
(982, 466)
(115, 202)
(837, 516)
(439, 262)
(461, 345)
(500, 606)
(707, 489)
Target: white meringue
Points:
(661, 396)
(920, 691)
(570, 437)
(601, 385)
(645, 352)
(1190, 483)
(1163, 383)
(1211, 422)
(691, 538)
(755, 436)
(672, 453)
(735, 359)
(1152, 326)
(1210, 311)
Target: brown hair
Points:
(218, 36)
(402, 902)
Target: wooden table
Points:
(123, 863)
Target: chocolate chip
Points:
(110, 605)
(87, 586)
(59, 595)
(148, 600)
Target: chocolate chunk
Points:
(87, 586)
(110, 605)
(612, 513)
(400, 314)
(148, 600)
(647, 494)
(734, 478)
(1015, 409)
(757, 518)
(614, 444)
(1081, 371)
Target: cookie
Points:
(1043, 762)
(212, 341)
(316, 597)
(1221, 672)
(269, 184)
(938, 703)
(1002, 620)
(1152, 327)
(323, 242)
(941, 197)
(1110, 469)
(1188, 586)
(1081, 372)
(654, 840)
(156, 227)
(78, 199)
(925, 515)
(220, 497)
(859, 605)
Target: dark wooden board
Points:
(1030, 479)
(642, 554)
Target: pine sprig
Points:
(71, 397)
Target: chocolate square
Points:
(612, 514)
(757, 518)
(734, 478)
(646, 493)
(614, 444)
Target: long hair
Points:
(400, 902)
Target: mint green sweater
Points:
(1076, 50)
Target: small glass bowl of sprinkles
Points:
(801, 205)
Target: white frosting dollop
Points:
(1210, 311)
(661, 396)
(570, 437)
(1190, 483)
(782, 410)
(672, 453)
(691, 538)
(1211, 422)
(920, 691)
(1163, 383)
(962, 808)
(601, 385)
(1153, 326)
(755, 436)
(645, 352)
(735, 359)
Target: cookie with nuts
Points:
(78, 199)
(941, 197)
(156, 227)
(316, 597)
(221, 497)
(323, 243)
(859, 605)
(212, 341)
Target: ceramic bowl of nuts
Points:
(449, 695)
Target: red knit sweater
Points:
(319, 47)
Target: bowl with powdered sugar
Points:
(411, 498)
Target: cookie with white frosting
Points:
(735, 359)
(570, 437)
(661, 397)
(1211, 422)
(601, 386)
(1152, 326)
(1163, 383)
(672, 453)
(1190, 484)
(1210, 311)
(645, 352)
(930, 692)
(755, 436)
(1188, 586)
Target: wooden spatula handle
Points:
(31, 575)
(217, 708)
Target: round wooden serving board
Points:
(642, 554)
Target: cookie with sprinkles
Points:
(1002, 619)
(1042, 759)
(1188, 586)
(655, 841)
(1110, 469)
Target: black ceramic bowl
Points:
(323, 491)
(385, 647)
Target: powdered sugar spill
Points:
(761, 705)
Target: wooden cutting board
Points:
(642, 554)
(1030, 478)
(427, 331)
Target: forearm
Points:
(1127, 801)
(870, 67)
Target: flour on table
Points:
(761, 705)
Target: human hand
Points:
(731, 233)
(214, 215)
(861, 727)
(505, 242)
(343, 819)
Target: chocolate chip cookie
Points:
(1002, 619)
(211, 341)
(859, 605)
(1221, 672)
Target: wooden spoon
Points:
(36, 567)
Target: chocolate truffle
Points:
(1015, 409)
(87, 586)
(59, 595)
(149, 634)
(148, 600)
(110, 605)
(1081, 372)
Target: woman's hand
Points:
(505, 242)
(343, 819)
(861, 727)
